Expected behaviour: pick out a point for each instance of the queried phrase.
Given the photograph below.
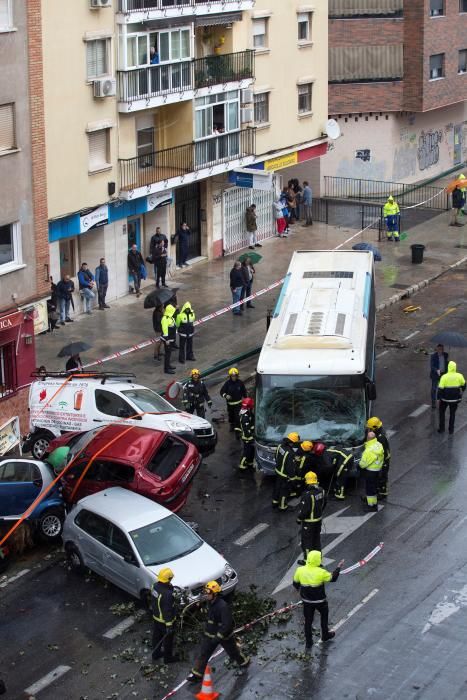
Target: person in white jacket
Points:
(280, 221)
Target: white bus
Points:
(315, 373)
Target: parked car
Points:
(21, 482)
(127, 539)
(59, 405)
(153, 463)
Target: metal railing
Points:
(142, 5)
(178, 161)
(371, 190)
(213, 70)
(355, 215)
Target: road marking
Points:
(251, 534)
(385, 352)
(354, 610)
(390, 433)
(47, 680)
(117, 630)
(438, 318)
(445, 608)
(418, 411)
(344, 527)
(407, 337)
(461, 522)
(23, 572)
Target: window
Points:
(437, 66)
(462, 5)
(217, 114)
(13, 472)
(7, 369)
(94, 525)
(304, 26)
(304, 98)
(7, 127)
(168, 457)
(462, 61)
(97, 58)
(260, 33)
(10, 246)
(99, 151)
(165, 540)
(261, 105)
(436, 8)
(145, 147)
(145, 48)
(6, 14)
(118, 543)
(112, 404)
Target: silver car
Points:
(128, 539)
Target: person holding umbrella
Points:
(72, 351)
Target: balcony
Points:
(171, 167)
(138, 10)
(161, 84)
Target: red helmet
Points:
(318, 448)
(247, 403)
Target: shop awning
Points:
(218, 20)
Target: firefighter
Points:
(303, 458)
(168, 337)
(285, 470)
(184, 322)
(318, 461)
(310, 516)
(195, 395)
(372, 461)
(163, 615)
(341, 462)
(219, 630)
(391, 213)
(247, 432)
(233, 391)
(376, 425)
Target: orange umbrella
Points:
(458, 182)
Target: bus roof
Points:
(320, 323)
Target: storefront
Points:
(17, 361)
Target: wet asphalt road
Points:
(402, 618)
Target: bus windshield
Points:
(331, 409)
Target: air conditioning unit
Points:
(97, 4)
(246, 115)
(105, 87)
(247, 97)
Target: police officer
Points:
(233, 391)
(372, 461)
(310, 516)
(450, 389)
(186, 330)
(285, 471)
(341, 462)
(247, 433)
(168, 337)
(195, 395)
(163, 615)
(219, 630)
(376, 425)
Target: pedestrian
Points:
(458, 202)
(286, 208)
(376, 425)
(219, 630)
(74, 364)
(292, 202)
(135, 267)
(450, 390)
(186, 330)
(279, 217)
(86, 286)
(372, 461)
(248, 272)
(183, 237)
(52, 308)
(252, 226)
(168, 336)
(438, 367)
(391, 213)
(163, 615)
(65, 289)
(236, 286)
(233, 391)
(157, 327)
(310, 515)
(286, 471)
(247, 433)
(158, 254)
(341, 462)
(310, 580)
(298, 197)
(102, 282)
(195, 395)
(308, 203)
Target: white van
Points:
(59, 406)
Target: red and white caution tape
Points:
(365, 560)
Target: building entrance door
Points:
(187, 206)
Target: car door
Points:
(18, 486)
(120, 562)
(92, 482)
(92, 539)
(111, 407)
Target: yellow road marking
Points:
(438, 318)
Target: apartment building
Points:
(24, 261)
(397, 87)
(164, 111)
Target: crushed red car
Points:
(153, 463)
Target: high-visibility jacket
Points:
(340, 460)
(451, 385)
(383, 440)
(168, 324)
(185, 320)
(310, 579)
(247, 425)
(163, 603)
(373, 456)
(312, 504)
(391, 209)
(285, 460)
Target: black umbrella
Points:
(159, 296)
(450, 338)
(74, 348)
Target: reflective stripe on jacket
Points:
(163, 606)
(312, 505)
(391, 209)
(310, 579)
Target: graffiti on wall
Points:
(428, 148)
(364, 154)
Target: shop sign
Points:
(40, 317)
(281, 161)
(9, 435)
(93, 218)
(7, 322)
(159, 199)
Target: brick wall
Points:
(351, 98)
(380, 32)
(16, 405)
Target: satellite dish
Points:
(332, 129)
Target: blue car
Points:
(21, 482)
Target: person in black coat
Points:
(183, 237)
(135, 263)
(438, 366)
(163, 615)
(237, 282)
(158, 253)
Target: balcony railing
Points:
(163, 79)
(142, 5)
(155, 167)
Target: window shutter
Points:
(7, 127)
(97, 149)
(96, 58)
(4, 14)
(303, 17)
(259, 27)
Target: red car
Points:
(153, 463)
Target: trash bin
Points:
(417, 253)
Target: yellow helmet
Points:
(233, 371)
(212, 587)
(293, 437)
(311, 478)
(307, 445)
(374, 423)
(195, 372)
(165, 575)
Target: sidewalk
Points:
(206, 285)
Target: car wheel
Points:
(51, 524)
(74, 559)
(40, 444)
(145, 598)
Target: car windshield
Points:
(164, 541)
(331, 409)
(148, 401)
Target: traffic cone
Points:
(207, 689)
